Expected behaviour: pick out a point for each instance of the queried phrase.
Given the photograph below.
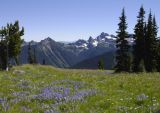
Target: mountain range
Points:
(78, 54)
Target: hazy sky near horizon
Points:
(69, 20)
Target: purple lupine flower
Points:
(66, 91)
(63, 91)
(4, 103)
(26, 109)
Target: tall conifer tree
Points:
(139, 43)
(30, 54)
(101, 64)
(10, 43)
(157, 42)
(151, 45)
(122, 53)
(35, 58)
(14, 33)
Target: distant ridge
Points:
(66, 55)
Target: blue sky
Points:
(69, 20)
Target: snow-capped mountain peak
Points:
(95, 43)
(104, 39)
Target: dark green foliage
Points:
(155, 27)
(139, 43)
(151, 46)
(15, 40)
(145, 48)
(101, 64)
(157, 45)
(158, 55)
(3, 54)
(35, 59)
(122, 53)
(44, 62)
(10, 43)
(30, 55)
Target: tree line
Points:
(10, 44)
(144, 54)
(32, 57)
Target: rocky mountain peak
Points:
(48, 39)
(90, 39)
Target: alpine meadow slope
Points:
(45, 89)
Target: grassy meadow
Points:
(44, 89)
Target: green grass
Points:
(115, 93)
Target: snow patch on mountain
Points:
(104, 39)
(95, 43)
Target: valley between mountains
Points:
(74, 54)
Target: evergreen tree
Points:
(158, 55)
(151, 46)
(3, 49)
(122, 53)
(30, 55)
(35, 59)
(14, 33)
(3, 55)
(10, 43)
(101, 64)
(155, 27)
(139, 43)
(157, 42)
(44, 62)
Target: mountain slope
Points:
(65, 55)
(92, 63)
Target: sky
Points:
(69, 20)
